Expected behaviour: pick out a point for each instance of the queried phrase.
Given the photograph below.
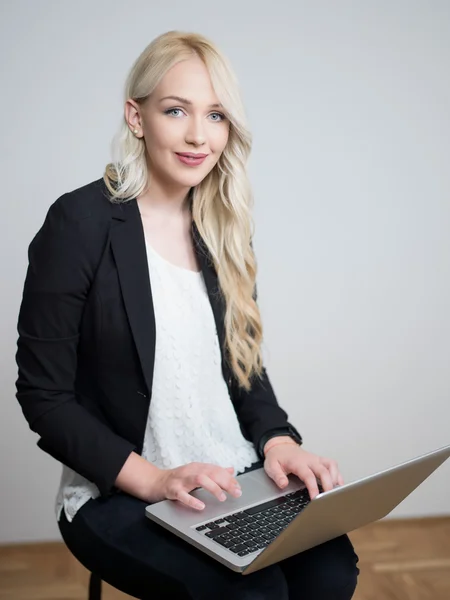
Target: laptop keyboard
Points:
(254, 528)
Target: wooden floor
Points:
(399, 560)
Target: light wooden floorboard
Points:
(399, 560)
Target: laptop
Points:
(266, 525)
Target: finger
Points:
(332, 467)
(309, 479)
(341, 480)
(189, 500)
(275, 471)
(226, 481)
(324, 475)
(207, 483)
(233, 481)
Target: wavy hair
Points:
(221, 203)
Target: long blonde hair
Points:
(221, 203)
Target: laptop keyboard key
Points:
(216, 532)
(220, 541)
(277, 531)
(265, 505)
(253, 533)
(231, 519)
(301, 494)
(259, 540)
(263, 530)
(244, 529)
(298, 509)
(238, 548)
(271, 519)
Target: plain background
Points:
(349, 106)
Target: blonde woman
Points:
(141, 286)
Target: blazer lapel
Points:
(128, 246)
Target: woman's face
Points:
(191, 123)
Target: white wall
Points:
(349, 106)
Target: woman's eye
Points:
(222, 117)
(170, 111)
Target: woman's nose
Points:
(195, 133)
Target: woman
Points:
(142, 285)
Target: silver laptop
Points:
(266, 524)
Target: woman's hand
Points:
(175, 484)
(283, 457)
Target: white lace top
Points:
(191, 416)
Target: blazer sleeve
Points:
(260, 414)
(62, 260)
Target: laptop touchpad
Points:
(256, 486)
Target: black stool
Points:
(95, 587)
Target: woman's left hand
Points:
(282, 459)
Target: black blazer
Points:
(86, 343)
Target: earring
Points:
(135, 131)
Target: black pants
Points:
(115, 539)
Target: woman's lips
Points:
(192, 162)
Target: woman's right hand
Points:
(176, 484)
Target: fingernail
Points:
(222, 496)
(237, 492)
(199, 505)
(282, 481)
